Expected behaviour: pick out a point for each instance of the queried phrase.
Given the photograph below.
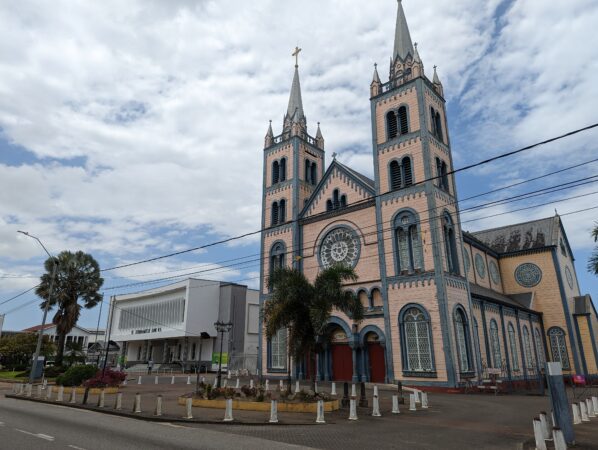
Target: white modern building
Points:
(174, 325)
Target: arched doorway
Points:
(376, 365)
(341, 355)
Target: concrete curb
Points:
(152, 418)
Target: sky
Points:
(134, 129)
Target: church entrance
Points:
(341, 355)
(375, 358)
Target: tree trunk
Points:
(60, 349)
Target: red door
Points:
(342, 362)
(377, 365)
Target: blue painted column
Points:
(326, 364)
(355, 377)
(364, 359)
(318, 367)
(559, 401)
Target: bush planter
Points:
(92, 391)
(246, 405)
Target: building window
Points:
(436, 124)
(139, 353)
(403, 125)
(563, 249)
(314, 173)
(283, 169)
(408, 243)
(417, 340)
(513, 347)
(539, 348)
(337, 201)
(193, 350)
(442, 174)
(311, 169)
(462, 340)
(282, 215)
(559, 347)
(278, 350)
(275, 172)
(495, 345)
(277, 256)
(274, 212)
(450, 244)
(329, 205)
(401, 173)
(527, 348)
(438, 127)
(307, 171)
(391, 125)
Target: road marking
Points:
(173, 425)
(75, 447)
(38, 435)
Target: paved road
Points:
(26, 425)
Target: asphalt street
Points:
(26, 425)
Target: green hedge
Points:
(76, 375)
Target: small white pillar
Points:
(424, 396)
(49, 393)
(251, 383)
(333, 390)
(156, 379)
(352, 409)
(412, 402)
(375, 390)
(417, 396)
(189, 406)
(595, 404)
(395, 404)
(281, 385)
(584, 412)
(238, 385)
(137, 405)
(376, 407)
(539, 435)
(590, 407)
(203, 379)
(224, 383)
(118, 404)
(101, 399)
(172, 380)
(39, 390)
(45, 383)
(297, 387)
(576, 414)
(139, 379)
(228, 412)
(188, 379)
(228, 375)
(273, 411)
(267, 385)
(559, 439)
(125, 382)
(60, 397)
(320, 411)
(28, 390)
(316, 387)
(73, 394)
(353, 391)
(158, 411)
(545, 426)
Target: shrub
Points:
(75, 375)
(110, 378)
(53, 371)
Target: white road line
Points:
(38, 435)
(169, 424)
(75, 447)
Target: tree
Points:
(74, 353)
(16, 349)
(593, 261)
(77, 278)
(304, 308)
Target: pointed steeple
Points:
(437, 83)
(376, 77)
(375, 84)
(319, 138)
(269, 139)
(416, 57)
(295, 107)
(435, 79)
(403, 44)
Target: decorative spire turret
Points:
(375, 85)
(319, 138)
(437, 83)
(269, 140)
(418, 65)
(295, 114)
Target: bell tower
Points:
(419, 236)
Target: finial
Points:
(376, 66)
(334, 155)
(435, 68)
(415, 45)
(296, 55)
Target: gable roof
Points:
(535, 234)
(364, 182)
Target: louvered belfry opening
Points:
(283, 169)
(283, 210)
(314, 175)
(403, 125)
(274, 213)
(407, 172)
(275, 172)
(391, 124)
(395, 175)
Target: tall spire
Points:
(295, 112)
(403, 44)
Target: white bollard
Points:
(118, 404)
(45, 383)
(545, 426)
(320, 416)
(375, 390)
(228, 375)
(376, 407)
(297, 387)
(101, 399)
(29, 387)
(49, 393)
(590, 407)
(595, 404)
(417, 396)
(60, 397)
(156, 379)
(559, 439)
(412, 402)
(576, 414)
(238, 385)
(158, 411)
(584, 412)
(125, 382)
(333, 390)
(352, 409)
(353, 391)
(539, 435)
(251, 383)
(39, 391)
(224, 383)
(267, 385)
(395, 404)
(273, 411)
(188, 379)
(316, 387)
(189, 405)
(424, 400)
(203, 380)
(172, 380)
(139, 379)
(281, 385)
(137, 404)
(73, 395)
(228, 412)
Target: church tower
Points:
(417, 215)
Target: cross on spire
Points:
(296, 55)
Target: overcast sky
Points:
(133, 129)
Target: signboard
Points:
(216, 360)
(579, 379)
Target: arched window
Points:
(462, 340)
(307, 171)
(513, 347)
(329, 205)
(335, 199)
(277, 257)
(314, 174)
(275, 172)
(396, 179)
(343, 201)
(450, 244)
(539, 348)
(558, 346)
(376, 297)
(282, 215)
(364, 299)
(283, 169)
(403, 125)
(433, 121)
(407, 172)
(527, 348)
(495, 345)
(442, 174)
(274, 213)
(408, 244)
(476, 336)
(391, 125)
(417, 342)
(278, 350)
(438, 127)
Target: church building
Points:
(443, 306)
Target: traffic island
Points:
(248, 405)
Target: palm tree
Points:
(77, 278)
(593, 261)
(304, 308)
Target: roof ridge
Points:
(509, 226)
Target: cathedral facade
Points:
(443, 306)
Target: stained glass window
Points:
(540, 348)
(408, 243)
(278, 350)
(559, 347)
(527, 348)
(417, 341)
(513, 347)
(461, 335)
(495, 345)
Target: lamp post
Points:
(46, 308)
(221, 327)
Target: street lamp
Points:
(46, 308)
(221, 327)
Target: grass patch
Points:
(13, 375)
